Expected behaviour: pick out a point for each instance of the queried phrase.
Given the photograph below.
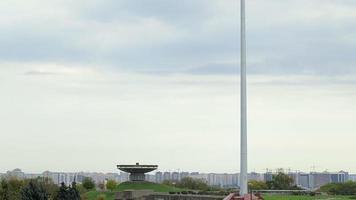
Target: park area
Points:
(290, 197)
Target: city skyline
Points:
(305, 180)
(89, 84)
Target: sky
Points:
(86, 85)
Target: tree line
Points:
(348, 188)
(280, 181)
(44, 189)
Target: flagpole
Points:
(243, 151)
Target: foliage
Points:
(68, 193)
(73, 192)
(257, 185)
(111, 185)
(94, 195)
(281, 181)
(11, 189)
(348, 188)
(146, 186)
(194, 184)
(101, 186)
(62, 193)
(291, 197)
(81, 189)
(88, 183)
(34, 191)
(46, 183)
(101, 197)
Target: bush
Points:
(101, 197)
(193, 184)
(34, 191)
(348, 188)
(111, 185)
(88, 183)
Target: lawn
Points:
(147, 186)
(281, 197)
(93, 195)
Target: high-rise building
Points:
(167, 176)
(16, 173)
(352, 177)
(304, 180)
(159, 177)
(184, 174)
(175, 176)
(339, 177)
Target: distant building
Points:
(304, 180)
(16, 173)
(175, 176)
(166, 176)
(255, 176)
(184, 174)
(159, 177)
(352, 177)
(267, 176)
(339, 177)
(124, 177)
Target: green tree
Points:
(4, 191)
(194, 184)
(73, 193)
(257, 185)
(47, 184)
(11, 189)
(34, 191)
(281, 181)
(111, 185)
(62, 193)
(348, 188)
(80, 189)
(88, 183)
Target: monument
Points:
(137, 172)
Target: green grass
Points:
(147, 186)
(93, 195)
(282, 197)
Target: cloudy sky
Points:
(89, 84)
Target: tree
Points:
(257, 185)
(62, 193)
(194, 184)
(281, 181)
(111, 185)
(73, 193)
(34, 191)
(88, 183)
(68, 193)
(4, 191)
(348, 188)
(11, 189)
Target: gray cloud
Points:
(284, 37)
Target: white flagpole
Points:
(243, 162)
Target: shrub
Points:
(88, 183)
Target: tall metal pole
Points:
(243, 162)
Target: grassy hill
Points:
(282, 197)
(146, 186)
(93, 195)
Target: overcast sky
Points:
(89, 84)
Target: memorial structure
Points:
(137, 172)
